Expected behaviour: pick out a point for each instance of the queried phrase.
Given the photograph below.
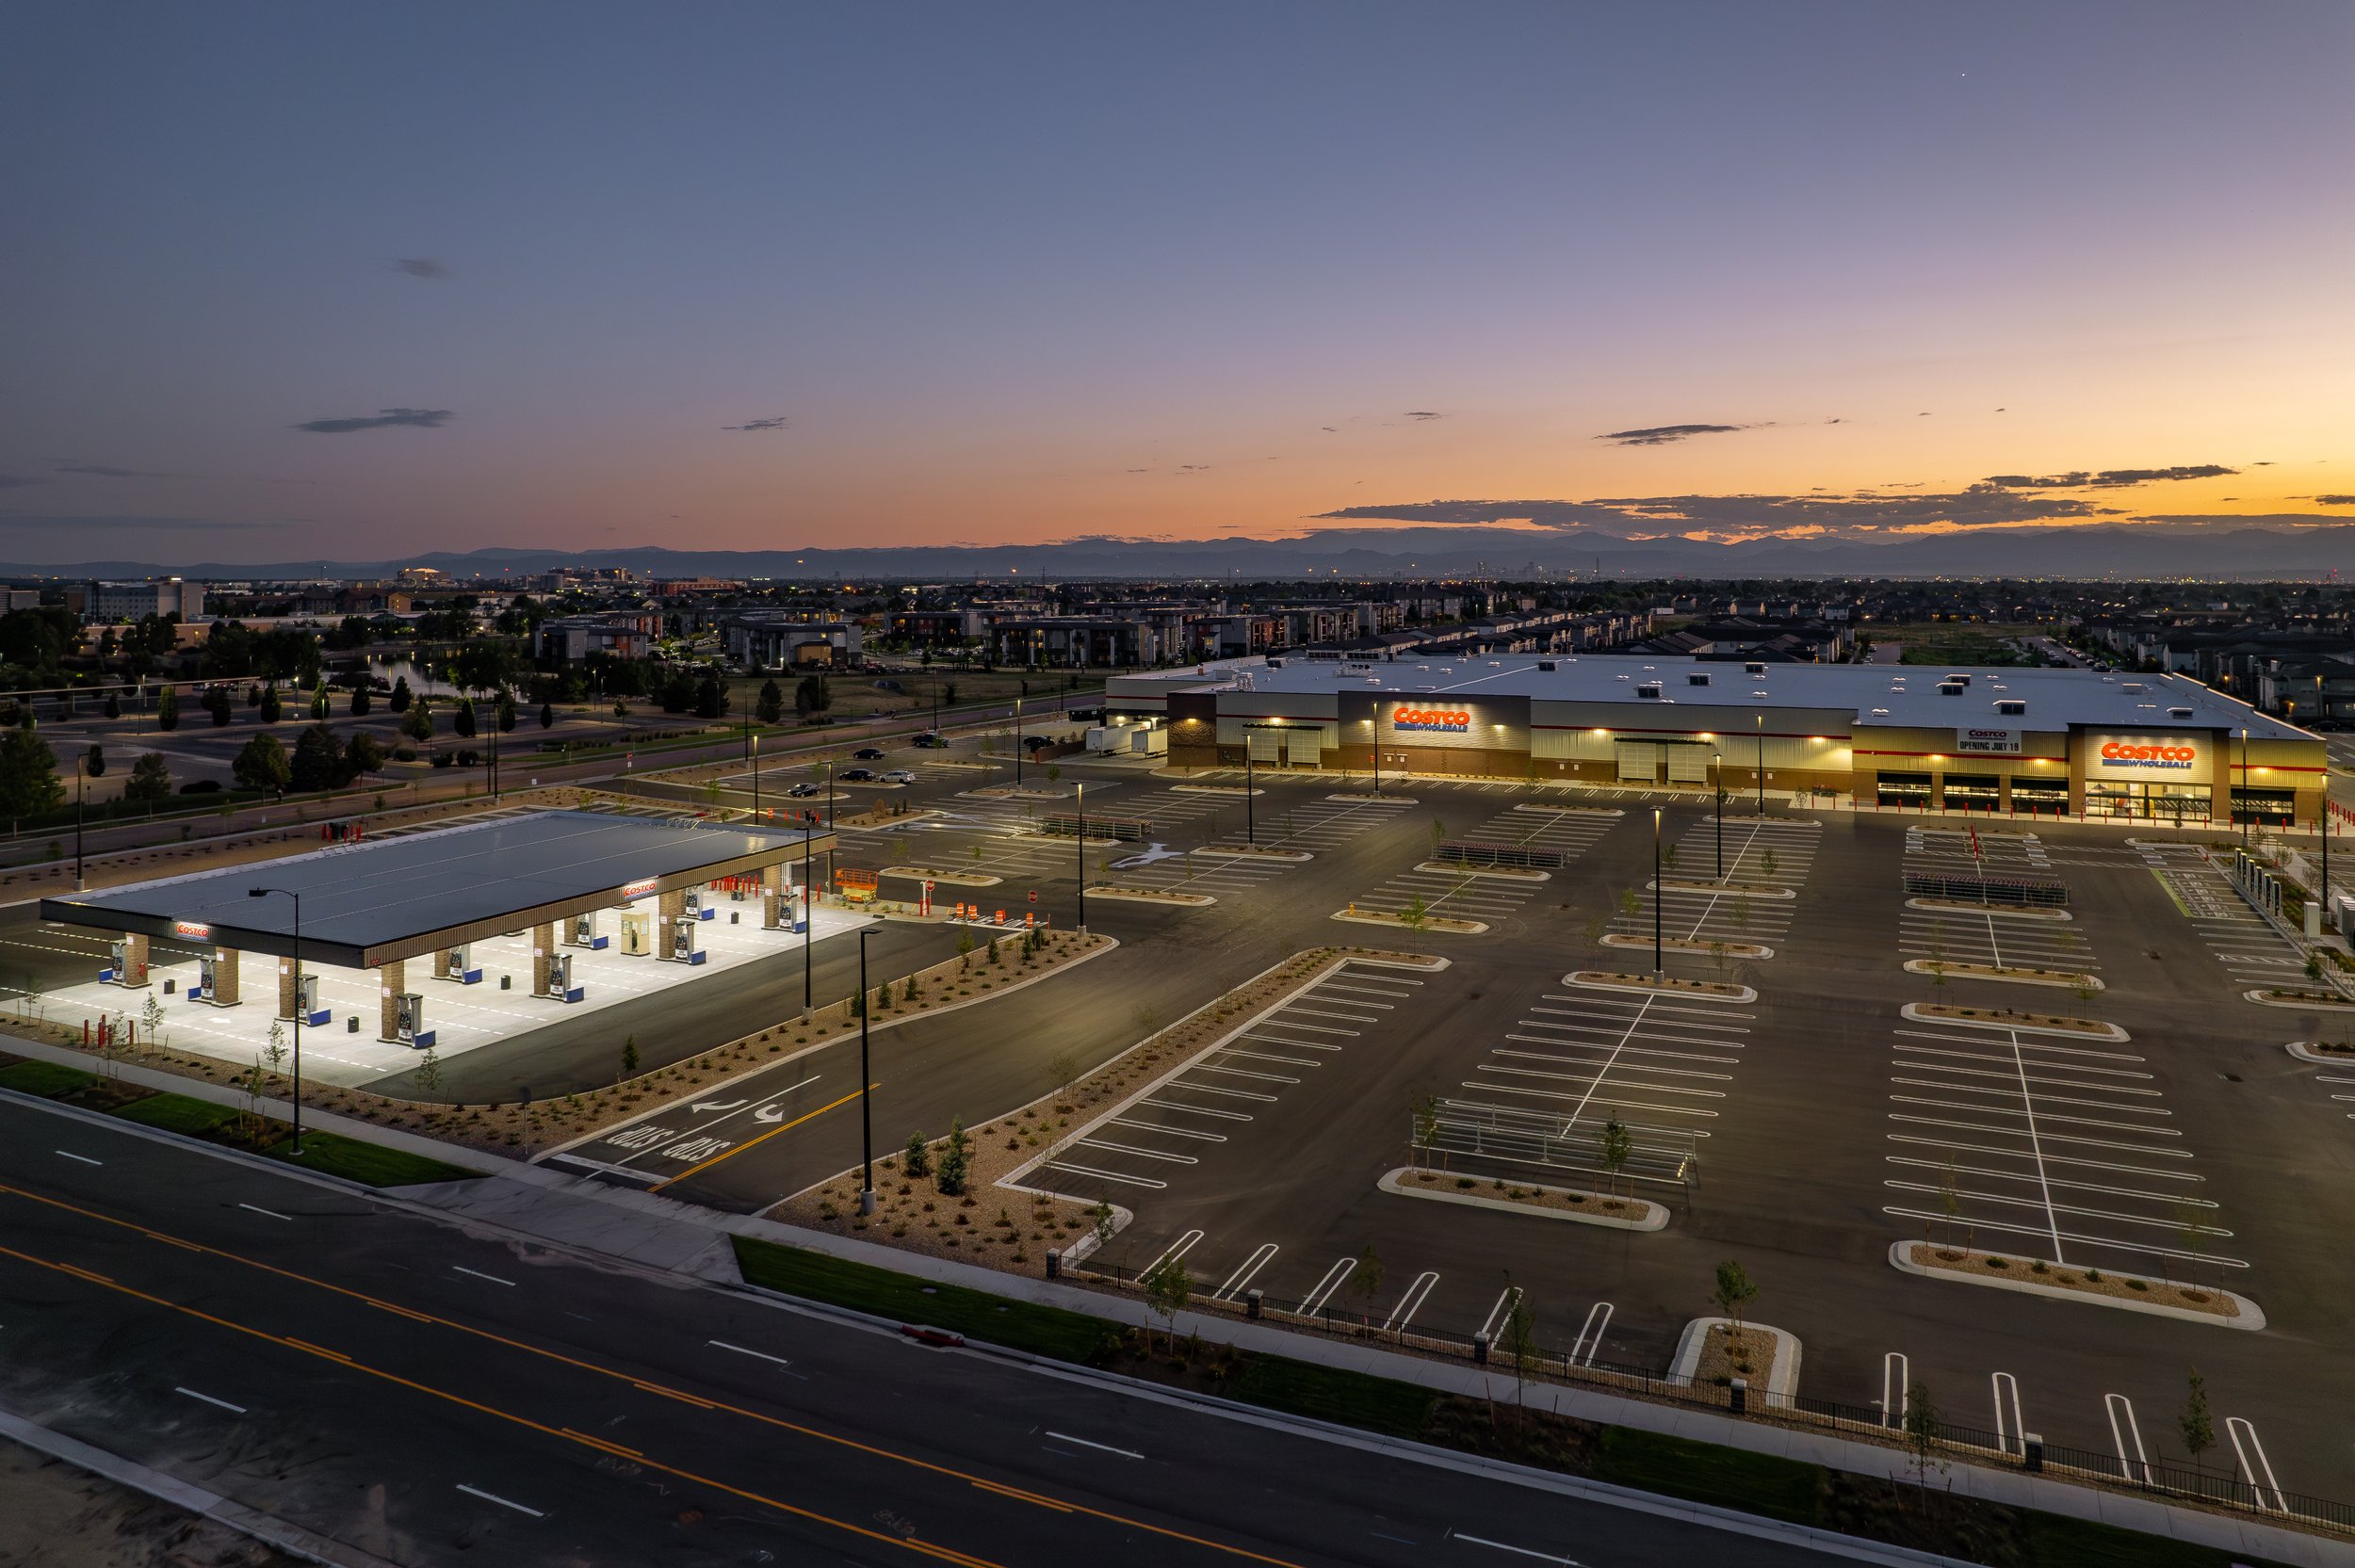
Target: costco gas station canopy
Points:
(377, 902)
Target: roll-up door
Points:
(1303, 748)
(1688, 763)
(1639, 761)
(1266, 745)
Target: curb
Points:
(2304, 1051)
(1431, 923)
(1655, 1215)
(1596, 979)
(1988, 972)
(1780, 1380)
(2252, 1317)
(1912, 1013)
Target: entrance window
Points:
(1973, 792)
(2276, 807)
(1911, 791)
(2155, 803)
(2040, 796)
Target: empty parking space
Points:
(1469, 895)
(1999, 851)
(2251, 952)
(1189, 1119)
(1995, 937)
(1750, 903)
(2061, 1148)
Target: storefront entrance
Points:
(2153, 803)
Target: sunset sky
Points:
(287, 281)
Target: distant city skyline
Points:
(359, 284)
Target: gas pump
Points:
(698, 904)
(307, 1001)
(561, 984)
(117, 963)
(459, 962)
(683, 949)
(409, 1021)
(205, 968)
(796, 911)
(585, 933)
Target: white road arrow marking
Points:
(770, 1113)
(716, 1105)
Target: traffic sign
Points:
(1034, 894)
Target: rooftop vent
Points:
(1650, 689)
(1547, 665)
(1754, 670)
(1276, 664)
(1957, 678)
(2179, 713)
(1880, 713)
(2012, 704)
(1698, 677)
(2134, 685)
(1950, 688)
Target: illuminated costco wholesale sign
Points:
(194, 929)
(1439, 720)
(2149, 755)
(640, 889)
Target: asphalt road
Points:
(436, 1397)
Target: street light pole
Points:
(1250, 830)
(1018, 743)
(1656, 964)
(865, 1101)
(1081, 793)
(2242, 808)
(809, 893)
(264, 892)
(756, 778)
(81, 771)
(1721, 814)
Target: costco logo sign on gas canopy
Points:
(1446, 720)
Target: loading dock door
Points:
(1266, 745)
(1303, 748)
(1639, 762)
(1688, 763)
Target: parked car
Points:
(900, 776)
(932, 742)
(869, 754)
(802, 791)
(856, 775)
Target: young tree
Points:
(428, 1073)
(462, 719)
(274, 1050)
(150, 781)
(272, 709)
(1101, 1224)
(770, 708)
(2196, 1424)
(503, 711)
(1920, 1425)
(956, 1161)
(1365, 1279)
(629, 1059)
(361, 697)
(262, 765)
(416, 722)
(711, 696)
(319, 700)
(318, 760)
(918, 1158)
(1517, 1337)
(1416, 915)
(399, 701)
(547, 716)
(1167, 1290)
(1733, 1292)
(167, 710)
(114, 704)
(965, 940)
(95, 760)
(1063, 1067)
(1617, 1145)
(365, 754)
(1425, 1129)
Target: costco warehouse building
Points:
(2032, 742)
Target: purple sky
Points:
(528, 273)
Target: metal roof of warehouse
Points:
(1905, 695)
(366, 903)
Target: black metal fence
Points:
(1929, 1441)
(2012, 892)
(1491, 855)
(1063, 824)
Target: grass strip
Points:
(371, 1164)
(47, 1079)
(1072, 1337)
(1786, 1489)
(178, 1113)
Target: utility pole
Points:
(1250, 833)
(809, 893)
(1018, 743)
(1081, 792)
(756, 778)
(865, 1101)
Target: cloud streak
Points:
(779, 423)
(1661, 435)
(420, 266)
(2108, 478)
(424, 419)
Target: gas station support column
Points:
(771, 897)
(441, 964)
(671, 908)
(225, 991)
(134, 959)
(391, 980)
(289, 989)
(543, 956)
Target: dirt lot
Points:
(52, 1514)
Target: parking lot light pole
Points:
(1761, 764)
(1656, 965)
(1250, 826)
(81, 771)
(755, 739)
(263, 892)
(1018, 743)
(2242, 807)
(1080, 791)
(865, 1101)
(1721, 814)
